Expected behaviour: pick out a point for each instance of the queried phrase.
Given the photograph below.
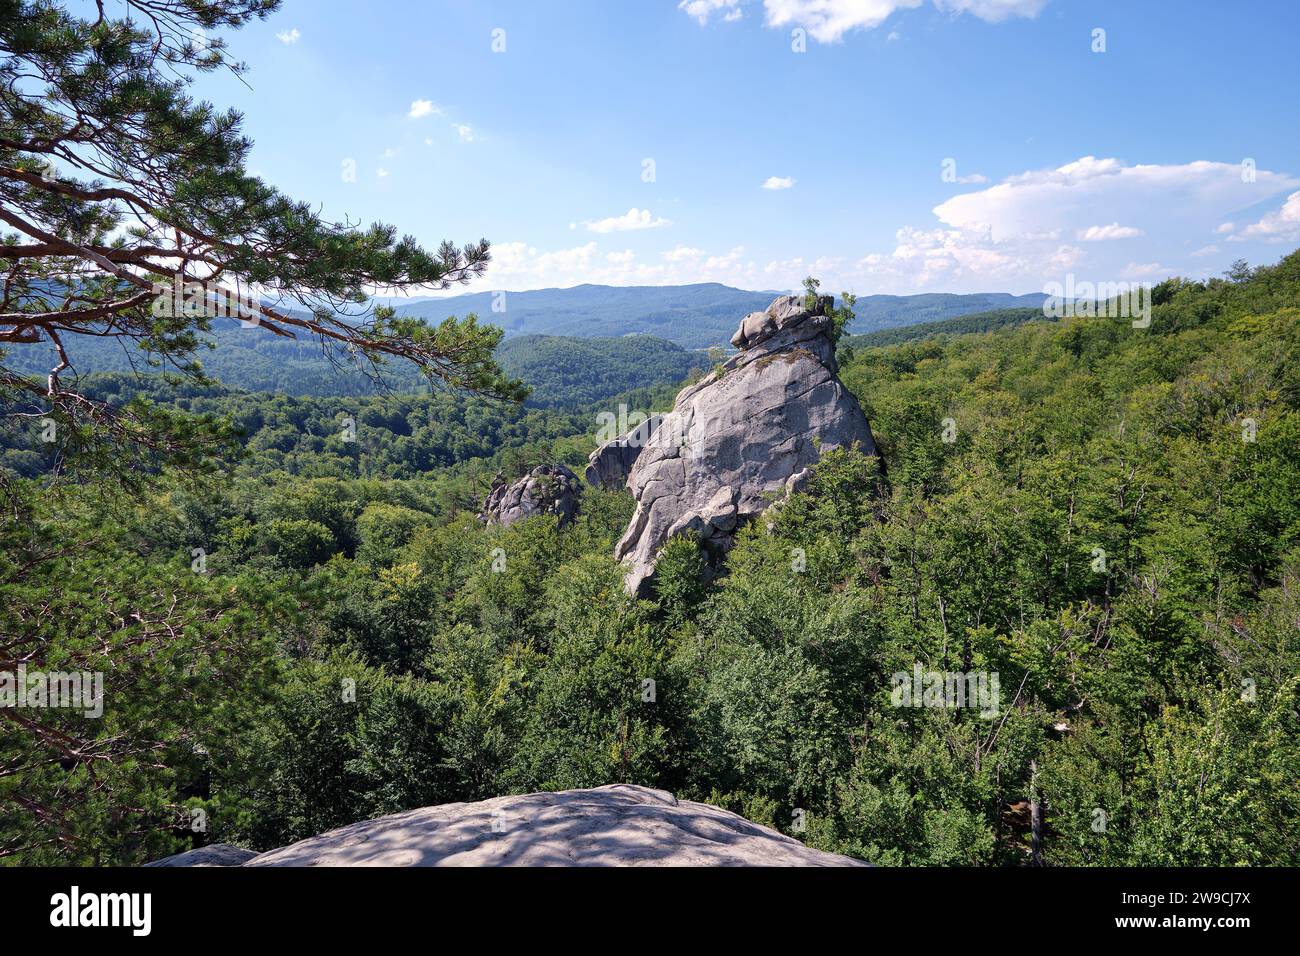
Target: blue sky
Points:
(1126, 164)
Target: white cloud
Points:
(1282, 225)
(684, 254)
(828, 20)
(465, 132)
(789, 273)
(894, 36)
(1008, 235)
(423, 108)
(778, 182)
(994, 11)
(518, 265)
(633, 219)
(1015, 235)
(1079, 193)
(725, 263)
(733, 15)
(1143, 269)
(966, 258)
(701, 10)
(381, 172)
(288, 37)
(1113, 231)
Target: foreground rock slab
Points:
(619, 825)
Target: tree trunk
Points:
(1035, 818)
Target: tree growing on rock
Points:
(840, 317)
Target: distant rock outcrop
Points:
(610, 464)
(547, 489)
(742, 435)
(619, 825)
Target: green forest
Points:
(975, 322)
(563, 372)
(271, 555)
(314, 631)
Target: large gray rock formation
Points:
(742, 435)
(618, 825)
(547, 489)
(610, 464)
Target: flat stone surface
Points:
(618, 825)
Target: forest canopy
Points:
(1054, 619)
(1106, 518)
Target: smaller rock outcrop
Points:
(218, 854)
(547, 489)
(610, 464)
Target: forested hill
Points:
(962, 325)
(243, 358)
(1104, 518)
(566, 372)
(563, 372)
(694, 316)
(599, 341)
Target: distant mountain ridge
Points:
(878, 312)
(693, 316)
(960, 325)
(563, 371)
(566, 372)
(593, 344)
